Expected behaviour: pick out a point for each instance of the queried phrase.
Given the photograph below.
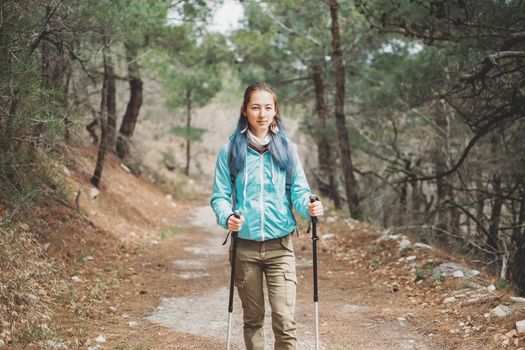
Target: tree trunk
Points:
(480, 207)
(518, 237)
(340, 118)
(495, 216)
(418, 198)
(111, 105)
(455, 214)
(92, 130)
(440, 166)
(188, 129)
(135, 101)
(325, 153)
(95, 179)
(67, 121)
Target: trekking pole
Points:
(314, 198)
(237, 214)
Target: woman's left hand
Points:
(315, 208)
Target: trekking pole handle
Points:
(314, 198)
(237, 214)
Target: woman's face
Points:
(260, 112)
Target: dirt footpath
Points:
(140, 268)
(174, 292)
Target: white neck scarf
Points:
(258, 142)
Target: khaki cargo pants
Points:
(276, 260)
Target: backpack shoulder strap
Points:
(289, 180)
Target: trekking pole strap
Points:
(226, 239)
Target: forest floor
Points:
(145, 270)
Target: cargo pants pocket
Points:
(290, 281)
(286, 242)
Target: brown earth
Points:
(129, 245)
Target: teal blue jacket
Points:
(261, 195)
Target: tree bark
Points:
(518, 237)
(135, 102)
(111, 105)
(325, 153)
(340, 118)
(188, 129)
(92, 130)
(418, 198)
(95, 179)
(67, 121)
(480, 207)
(440, 166)
(495, 216)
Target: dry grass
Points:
(28, 280)
(458, 325)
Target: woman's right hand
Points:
(235, 224)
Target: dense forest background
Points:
(415, 107)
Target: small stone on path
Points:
(501, 311)
(76, 279)
(404, 244)
(449, 300)
(520, 326)
(419, 245)
(100, 339)
(458, 274)
(93, 193)
(327, 236)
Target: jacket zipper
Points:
(261, 171)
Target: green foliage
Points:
(280, 41)
(169, 158)
(437, 278)
(194, 77)
(425, 271)
(503, 285)
(192, 133)
(374, 264)
(130, 347)
(130, 21)
(170, 232)
(31, 118)
(32, 333)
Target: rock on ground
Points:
(501, 311)
(520, 326)
(405, 244)
(453, 269)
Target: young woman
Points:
(259, 173)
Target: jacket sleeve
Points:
(221, 198)
(300, 190)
